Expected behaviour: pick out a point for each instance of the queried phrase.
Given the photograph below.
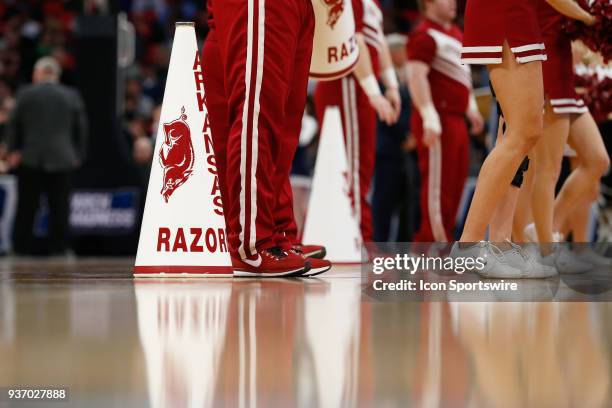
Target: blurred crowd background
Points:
(116, 54)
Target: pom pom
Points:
(596, 37)
(596, 91)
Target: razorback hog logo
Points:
(335, 8)
(176, 155)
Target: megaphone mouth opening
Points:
(185, 24)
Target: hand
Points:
(14, 159)
(393, 96)
(590, 20)
(430, 137)
(409, 144)
(432, 126)
(476, 121)
(143, 150)
(383, 108)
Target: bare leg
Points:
(520, 93)
(547, 166)
(566, 227)
(586, 140)
(500, 228)
(578, 221)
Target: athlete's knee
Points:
(595, 191)
(599, 164)
(532, 135)
(529, 130)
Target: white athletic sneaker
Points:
(529, 261)
(532, 235)
(591, 256)
(498, 263)
(558, 237)
(473, 252)
(568, 262)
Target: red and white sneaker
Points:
(317, 266)
(272, 262)
(311, 251)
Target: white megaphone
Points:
(183, 228)
(330, 220)
(334, 49)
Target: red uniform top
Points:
(440, 48)
(550, 20)
(368, 22)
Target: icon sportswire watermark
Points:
(410, 271)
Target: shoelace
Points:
(276, 252)
(498, 253)
(518, 249)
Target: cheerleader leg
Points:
(522, 212)
(520, 93)
(586, 140)
(500, 228)
(548, 155)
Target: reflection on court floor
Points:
(116, 342)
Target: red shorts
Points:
(488, 23)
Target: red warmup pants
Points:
(359, 125)
(443, 169)
(256, 61)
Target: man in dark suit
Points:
(46, 141)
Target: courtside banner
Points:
(8, 208)
(334, 50)
(183, 229)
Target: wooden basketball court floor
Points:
(319, 342)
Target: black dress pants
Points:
(32, 182)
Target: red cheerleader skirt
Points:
(488, 23)
(558, 70)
